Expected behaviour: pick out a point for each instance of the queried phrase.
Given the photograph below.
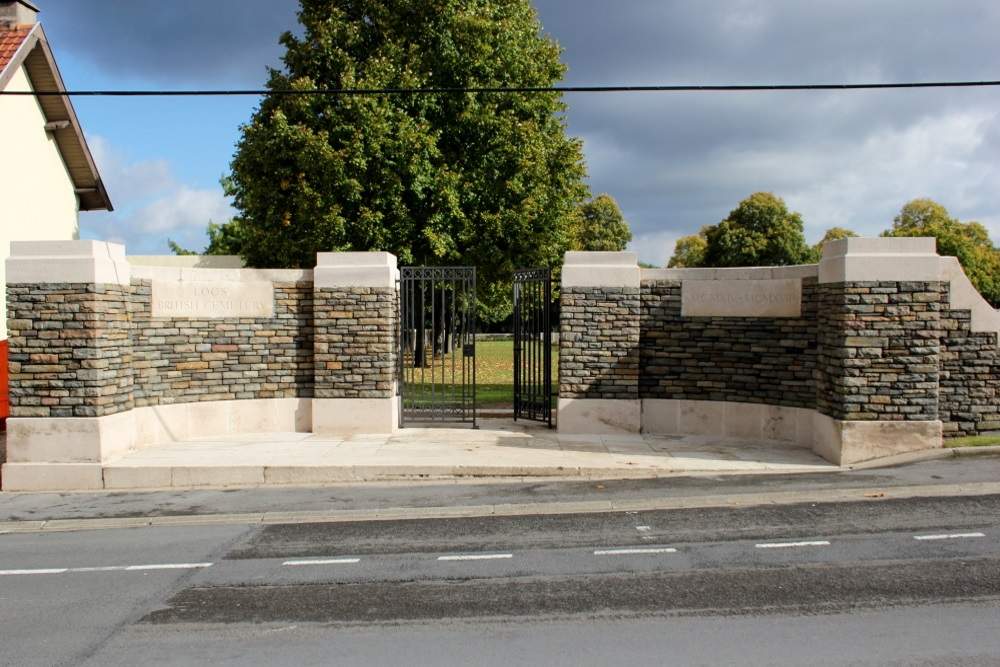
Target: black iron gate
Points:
(533, 345)
(437, 339)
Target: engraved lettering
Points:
(212, 300)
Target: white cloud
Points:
(655, 247)
(151, 205)
(128, 182)
(863, 185)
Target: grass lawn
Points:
(494, 372)
(973, 441)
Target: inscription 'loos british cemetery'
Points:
(741, 298)
(215, 299)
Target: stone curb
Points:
(860, 494)
(991, 450)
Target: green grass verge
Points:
(973, 441)
(494, 372)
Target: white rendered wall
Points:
(37, 198)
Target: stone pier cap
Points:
(70, 262)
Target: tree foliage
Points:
(223, 239)
(760, 231)
(438, 178)
(970, 242)
(832, 234)
(689, 251)
(599, 225)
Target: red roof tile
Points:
(11, 38)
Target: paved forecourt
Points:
(501, 448)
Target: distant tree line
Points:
(761, 231)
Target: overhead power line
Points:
(515, 89)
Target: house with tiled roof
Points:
(47, 173)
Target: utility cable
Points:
(513, 89)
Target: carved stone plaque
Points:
(204, 299)
(741, 298)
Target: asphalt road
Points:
(909, 581)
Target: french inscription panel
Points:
(741, 298)
(215, 299)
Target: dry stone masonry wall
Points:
(969, 386)
(70, 350)
(190, 359)
(766, 360)
(355, 342)
(599, 336)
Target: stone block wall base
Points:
(187, 421)
(354, 416)
(599, 416)
(69, 440)
(52, 477)
(752, 421)
(847, 442)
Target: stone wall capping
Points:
(150, 272)
(187, 261)
(67, 262)
(355, 269)
(889, 258)
(798, 271)
(732, 273)
(964, 296)
(601, 269)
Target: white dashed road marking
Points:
(324, 561)
(644, 550)
(785, 545)
(951, 536)
(110, 568)
(475, 557)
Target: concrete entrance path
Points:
(500, 448)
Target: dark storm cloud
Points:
(676, 161)
(205, 42)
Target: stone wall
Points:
(599, 329)
(107, 357)
(969, 385)
(880, 350)
(355, 342)
(883, 347)
(767, 360)
(187, 359)
(70, 350)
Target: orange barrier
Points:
(4, 382)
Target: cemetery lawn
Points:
(495, 372)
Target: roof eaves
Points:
(40, 64)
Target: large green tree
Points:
(441, 178)
(600, 226)
(968, 241)
(689, 251)
(832, 234)
(760, 231)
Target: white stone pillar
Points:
(879, 341)
(355, 343)
(70, 361)
(599, 344)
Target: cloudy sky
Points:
(674, 161)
